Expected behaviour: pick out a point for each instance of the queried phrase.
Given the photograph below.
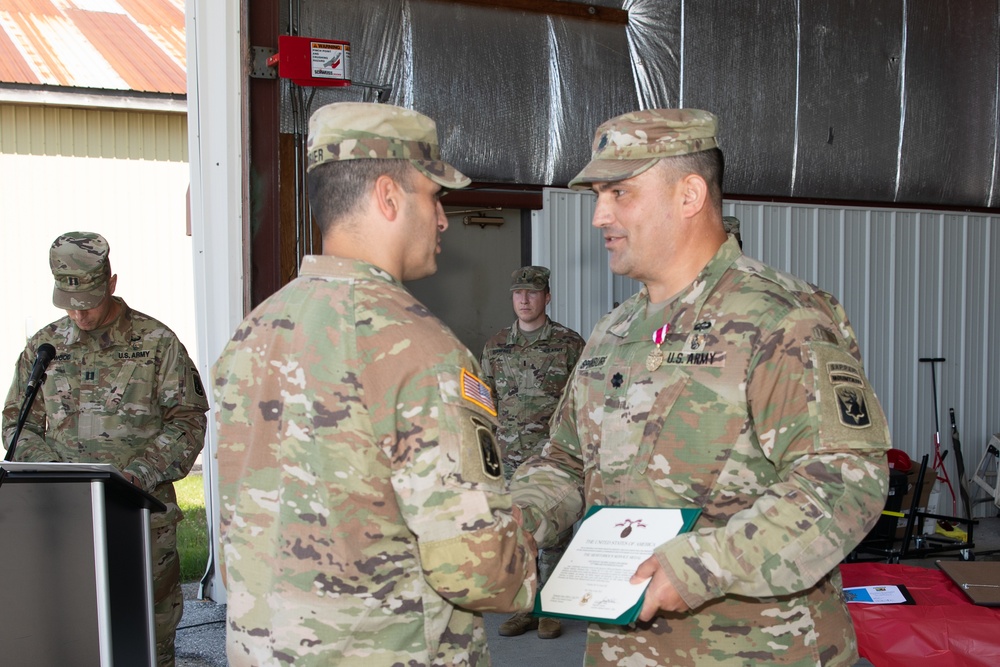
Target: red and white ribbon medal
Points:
(655, 357)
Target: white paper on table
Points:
(888, 594)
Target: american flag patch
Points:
(475, 391)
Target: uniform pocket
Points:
(116, 387)
(673, 384)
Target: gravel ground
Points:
(201, 636)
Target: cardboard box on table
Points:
(925, 494)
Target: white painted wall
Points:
(138, 205)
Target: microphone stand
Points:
(22, 417)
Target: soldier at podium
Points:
(120, 390)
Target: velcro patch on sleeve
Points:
(196, 382)
(475, 391)
(489, 453)
(851, 393)
(853, 405)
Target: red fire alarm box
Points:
(309, 61)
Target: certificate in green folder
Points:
(591, 581)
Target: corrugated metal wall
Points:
(135, 45)
(914, 283)
(99, 133)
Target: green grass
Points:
(192, 532)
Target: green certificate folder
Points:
(590, 582)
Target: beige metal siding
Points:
(122, 174)
(99, 133)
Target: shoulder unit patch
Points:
(488, 451)
(853, 406)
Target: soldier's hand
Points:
(661, 594)
(132, 478)
(518, 515)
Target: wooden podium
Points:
(76, 582)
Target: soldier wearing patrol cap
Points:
(723, 385)
(364, 514)
(121, 390)
(527, 365)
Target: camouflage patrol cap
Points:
(530, 278)
(358, 130)
(79, 263)
(628, 145)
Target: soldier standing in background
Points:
(723, 385)
(364, 514)
(121, 390)
(527, 365)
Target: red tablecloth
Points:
(943, 628)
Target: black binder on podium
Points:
(76, 582)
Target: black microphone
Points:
(43, 358)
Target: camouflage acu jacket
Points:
(527, 379)
(761, 415)
(127, 394)
(365, 519)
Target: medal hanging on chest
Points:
(655, 357)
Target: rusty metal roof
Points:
(102, 44)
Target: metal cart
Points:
(882, 545)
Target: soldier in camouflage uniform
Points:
(121, 390)
(527, 365)
(365, 517)
(722, 385)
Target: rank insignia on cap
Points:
(475, 391)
